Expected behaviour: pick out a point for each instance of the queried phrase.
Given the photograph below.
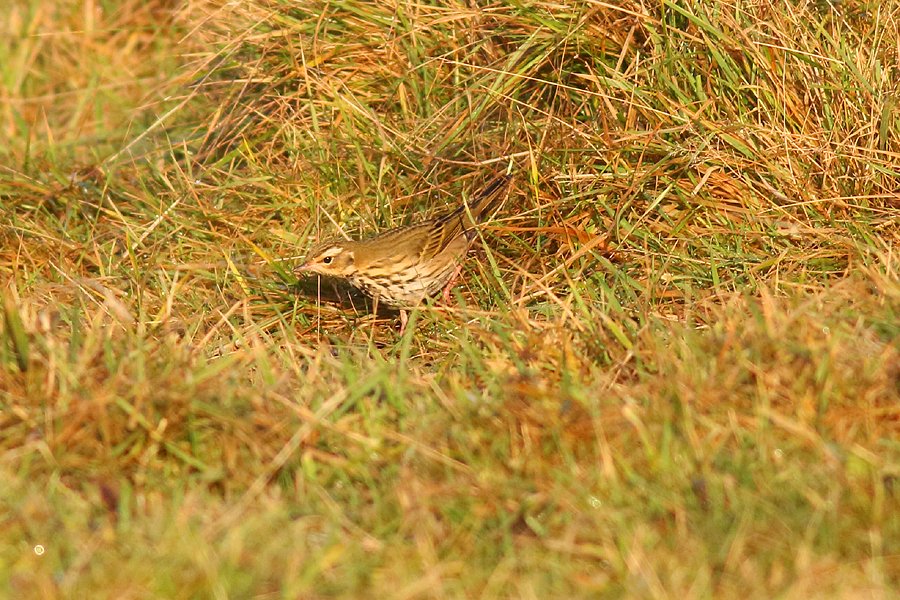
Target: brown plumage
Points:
(403, 266)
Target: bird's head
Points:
(334, 259)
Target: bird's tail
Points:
(464, 219)
(486, 201)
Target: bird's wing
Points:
(458, 222)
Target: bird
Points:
(403, 266)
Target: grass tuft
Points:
(670, 369)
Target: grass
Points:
(672, 367)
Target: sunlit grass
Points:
(670, 369)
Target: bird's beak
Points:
(301, 269)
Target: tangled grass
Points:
(671, 368)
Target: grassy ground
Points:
(672, 368)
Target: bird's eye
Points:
(327, 260)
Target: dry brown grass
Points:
(671, 370)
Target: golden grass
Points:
(671, 368)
